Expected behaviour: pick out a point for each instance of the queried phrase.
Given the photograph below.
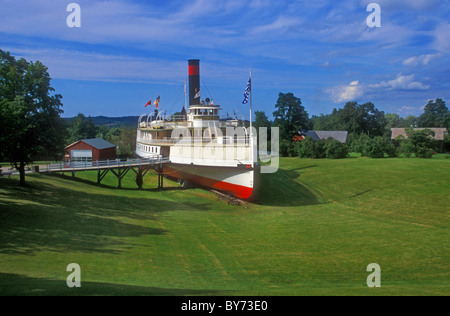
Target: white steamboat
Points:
(203, 147)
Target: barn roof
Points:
(338, 135)
(439, 132)
(98, 143)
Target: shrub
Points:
(324, 148)
(285, 148)
(335, 149)
(375, 148)
(419, 142)
(310, 148)
(390, 147)
(406, 148)
(359, 143)
(423, 152)
(422, 138)
(447, 143)
(288, 149)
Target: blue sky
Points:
(127, 52)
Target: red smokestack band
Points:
(194, 81)
(194, 70)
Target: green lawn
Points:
(315, 228)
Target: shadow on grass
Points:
(283, 189)
(107, 186)
(51, 217)
(19, 285)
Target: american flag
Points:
(247, 91)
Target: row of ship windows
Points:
(206, 112)
(149, 149)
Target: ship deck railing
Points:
(171, 124)
(102, 164)
(226, 140)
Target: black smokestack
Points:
(194, 81)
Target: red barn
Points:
(87, 150)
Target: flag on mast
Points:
(247, 94)
(247, 91)
(149, 103)
(157, 101)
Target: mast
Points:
(185, 93)
(251, 122)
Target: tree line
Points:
(369, 129)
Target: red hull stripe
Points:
(238, 191)
(194, 70)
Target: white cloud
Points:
(405, 4)
(441, 34)
(355, 89)
(282, 23)
(409, 110)
(419, 60)
(325, 65)
(347, 92)
(402, 82)
(259, 4)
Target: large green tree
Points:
(354, 118)
(436, 114)
(290, 116)
(30, 124)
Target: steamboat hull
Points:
(237, 181)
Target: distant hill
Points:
(130, 121)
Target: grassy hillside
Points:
(317, 226)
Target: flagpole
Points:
(251, 121)
(185, 93)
